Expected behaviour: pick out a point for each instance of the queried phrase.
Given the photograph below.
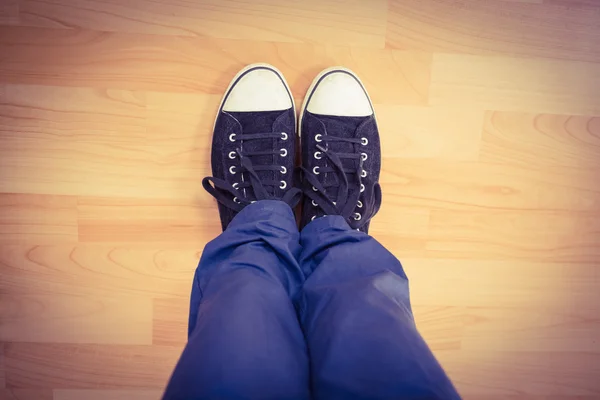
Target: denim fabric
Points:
(249, 123)
(324, 314)
(341, 127)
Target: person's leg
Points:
(356, 316)
(245, 340)
(354, 308)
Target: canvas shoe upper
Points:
(341, 157)
(253, 146)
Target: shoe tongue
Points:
(259, 122)
(342, 127)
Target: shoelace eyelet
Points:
(232, 170)
(284, 136)
(235, 185)
(313, 217)
(364, 156)
(318, 137)
(232, 137)
(362, 187)
(364, 141)
(283, 185)
(235, 200)
(232, 155)
(315, 189)
(318, 155)
(316, 170)
(283, 170)
(357, 216)
(363, 173)
(283, 152)
(359, 204)
(314, 203)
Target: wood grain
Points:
(38, 218)
(534, 235)
(574, 3)
(522, 373)
(499, 282)
(560, 140)
(489, 113)
(75, 319)
(494, 28)
(170, 321)
(135, 221)
(516, 84)
(441, 133)
(90, 394)
(26, 394)
(2, 367)
(357, 23)
(73, 114)
(98, 270)
(188, 64)
(564, 328)
(9, 12)
(88, 366)
(441, 326)
(489, 187)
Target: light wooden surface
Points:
(490, 122)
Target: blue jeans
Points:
(324, 314)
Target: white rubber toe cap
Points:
(339, 93)
(258, 89)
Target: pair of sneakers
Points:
(254, 147)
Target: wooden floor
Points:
(490, 120)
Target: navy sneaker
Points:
(341, 156)
(253, 148)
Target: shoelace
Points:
(240, 197)
(348, 192)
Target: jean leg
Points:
(245, 339)
(356, 315)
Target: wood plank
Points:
(471, 282)
(495, 28)
(186, 64)
(562, 328)
(442, 327)
(516, 84)
(75, 319)
(488, 187)
(541, 139)
(147, 221)
(102, 169)
(170, 323)
(535, 235)
(9, 12)
(184, 119)
(356, 23)
(26, 394)
(89, 366)
(73, 114)
(39, 218)
(89, 137)
(2, 368)
(98, 270)
(523, 374)
(574, 3)
(91, 394)
(441, 133)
